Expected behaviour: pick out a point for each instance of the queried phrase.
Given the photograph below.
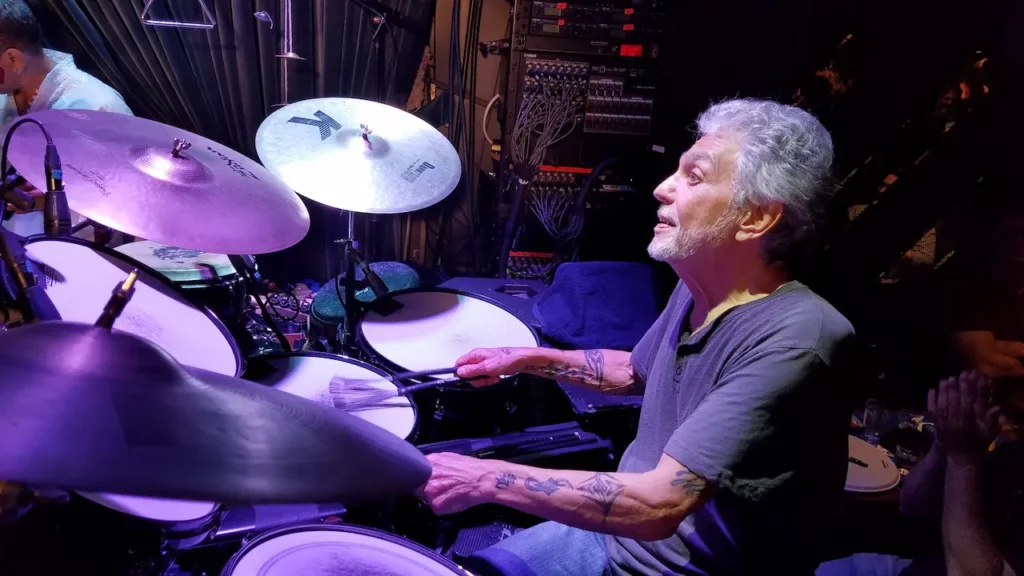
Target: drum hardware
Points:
(29, 296)
(119, 298)
(353, 259)
(248, 274)
(159, 431)
(56, 213)
(126, 176)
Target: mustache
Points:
(667, 216)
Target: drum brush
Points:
(351, 395)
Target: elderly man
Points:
(34, 79)
(741, 450)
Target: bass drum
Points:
(309, 374)
(319, 550)
(427, 329)
(78, 278)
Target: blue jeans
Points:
(863, 565)
(548, 549)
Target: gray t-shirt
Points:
(755, 404)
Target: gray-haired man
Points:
(741, 451)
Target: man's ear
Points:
(759, 220)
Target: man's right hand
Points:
(489, 364)
(991, 357)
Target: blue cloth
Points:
(598, 305)
(548, 549)
(864, 565)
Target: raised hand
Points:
(965, 420)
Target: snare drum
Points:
(309, 374)
(208, 280)
(319, 550)
(429, 329)
(79, 277)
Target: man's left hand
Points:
(456, 483)
(965, 420)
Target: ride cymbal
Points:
(87, 409)
(130, 174)
(358, 155)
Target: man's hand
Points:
(991, 357)
(491, 363)
(38, 198)
(456, 483)
(965, 420)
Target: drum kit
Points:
(162, 420)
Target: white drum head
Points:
(178, 264)
(321, 552)
(79, 281)
(881, 473)
(434, 329)
(156, 509)
(310, 377)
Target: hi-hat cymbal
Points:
(358, 155)
(88, 409)
(121, 171)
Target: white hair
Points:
(785, 156)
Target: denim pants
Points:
(548, 549)
(864, 565)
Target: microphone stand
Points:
(352, 308)
(383, 18)
(253, 286)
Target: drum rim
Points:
(232, 562)
(372, 352)
(177, 528)
(337, 357)
(235, 349)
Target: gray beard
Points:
(684, 243)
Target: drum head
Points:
(881, 473)
(179, 264)
(79, 279)
(309, 376)
(156, 509)
(336, 551)
(432, 329)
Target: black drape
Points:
(222, 83)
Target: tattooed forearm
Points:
(603, 489)
(692, 484)
(595, 363)
(504, 481)
(548, 487)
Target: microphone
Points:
(31, 300)
(119, 298)
(56, 213)
(379, 288)
(20, 199)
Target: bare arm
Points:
(921, 495)
(608, 371)
(966, 541)
(648, 506)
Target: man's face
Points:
(697, 210)
(12, 63)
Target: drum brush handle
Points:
(421, 373)
(119, 298)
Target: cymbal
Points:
(318, 147)
(120, 171)
(88, 409)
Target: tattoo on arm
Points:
(548, 487)
(692, 484)
(603, 489)
(504, 481)
(591, 373)
(595, 362)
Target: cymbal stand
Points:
(347, 332)
(254, 287)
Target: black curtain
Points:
(222, 83)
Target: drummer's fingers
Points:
(472, 357)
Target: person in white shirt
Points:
(33, 79)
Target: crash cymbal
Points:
(320, 148)
(121, 171)
(87, 409)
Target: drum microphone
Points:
(32, 300)
(56, 212)
(20, 199)
(379, 288)
(119, 298)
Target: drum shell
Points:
(225, 296)
(232, 564)
(455, 412)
